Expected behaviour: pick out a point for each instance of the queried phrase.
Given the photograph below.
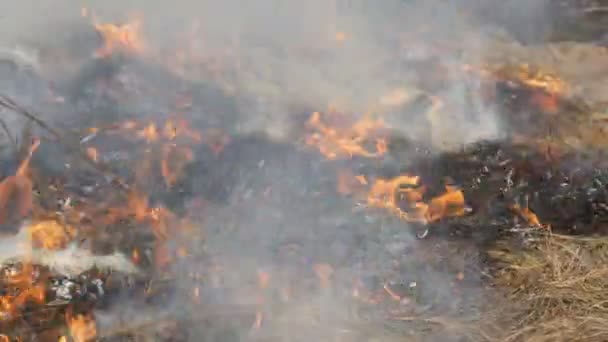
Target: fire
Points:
(82, 327)
(50, 235)
(11, 305)
(23, 287)
(528, 215)
(135, 256)
(449, 204)
(163, 223)
(548, 102)
(540, 79)
(346, 141)
(18, 187)
(547, 87)
(406, 191)
(92, 154)
(404, 196)
(125, 37)
(387, 194)
(28, 284)
(174, 160)
(341, 36)
(149, 133)
(172, 142)
(531, 76)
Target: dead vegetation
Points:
(559, 284)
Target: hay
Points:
(558, 286)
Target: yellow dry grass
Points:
(558, 286)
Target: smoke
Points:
(283, 59)
(294, 56)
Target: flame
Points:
(173, 157)
(11, 305)
(547, 102)
(125, 37)
(149, 133)
(449, 204)
(533, 77)
(407, 191)
(19, 186)
(526, 214)
(540, 79)
(547, 87)
(82, 327)
(394, 296)
(341, 36)
(50, 235)
(24, 287)
(28, 284)
(346, 141)
(174, 160)
(135, 256)
(92, 154)
(169, 130)
(160, 220)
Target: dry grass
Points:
(558, 285)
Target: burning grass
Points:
(164, 211)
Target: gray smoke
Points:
(285, 57)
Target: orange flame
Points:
(173, 158)
(526, 214)
(27, 288)
(125, 37)
(92, 154)
(135, 256)
(82, 327)
(11, 305)
(405, 190)
(50, 235)
(548, 88)
(150, 133)
(449, 204)
(173, 162)
(19, 186)
(345, 142)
